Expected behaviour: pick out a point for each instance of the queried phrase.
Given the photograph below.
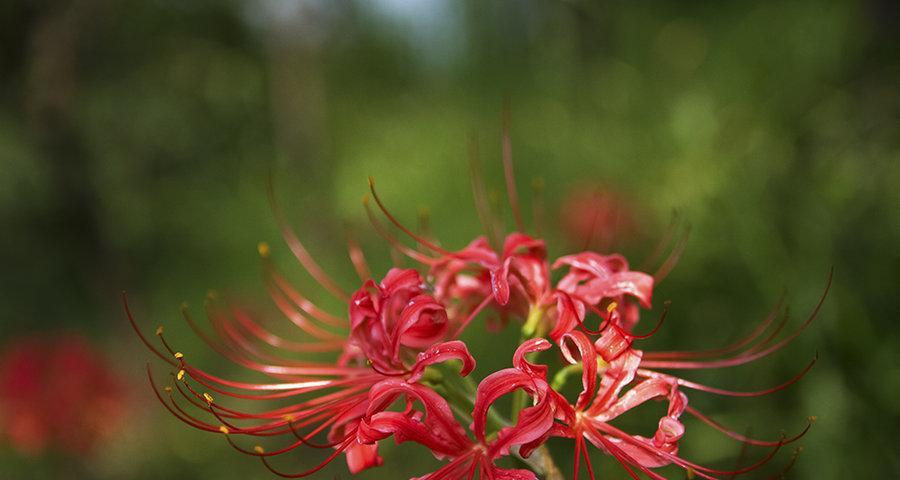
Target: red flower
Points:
(384, 380)
(437, 429)
(595, 219)
(394, 334)
(593, 278)
(57, 392)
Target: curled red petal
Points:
(529, 346)
(588, 358)
(442, 352)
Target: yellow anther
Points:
(612, 306)
(288, 418)
(159, 330)
(812, 418)
(208, 397)
(259, 449)
(168, 389)
(179, 355)
(263, 249)
(224, 430)
(180, 375)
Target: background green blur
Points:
(136, 138)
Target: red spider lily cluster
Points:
(399, 371)
(57, 392)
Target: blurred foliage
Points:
(136, 137)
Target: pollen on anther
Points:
(180, 375)
(259, 449)
(812, 418)
(179, 355)
(224, 430)
(159, 330)
(208, 397)
(612, 306)
(263, 249)
(167, 389)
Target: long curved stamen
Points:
(730, 393)
(236, 339)
(696, 468)
(265, 430)
(537, 205)
(299, 251)
(199, 426)
(299, 319)
(357, 258)
(298, 368)
(751, 355)
(305, 439)
(737, 345)
(403, 228)
(663, 271)
(625, 460)
(472, 315)
(275, 277)
(511, 192)
(663, 242)
(137, 330)
(604, 322)
(659, 323)
(276, 341)
(595, 222)
(398, 246)
(744, 438)
(480, 197)
(258, 452)
(314, 469)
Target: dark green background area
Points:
(136, 138)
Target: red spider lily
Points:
(517, 280)
(394, 313)
(621, 366)
(388, 348)
(58, 392)
(438, 429)
(393, 332)
(593, 278)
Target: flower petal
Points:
(442, 352)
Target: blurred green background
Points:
(136, 138)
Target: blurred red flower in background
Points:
(593, 218)
(57, 392)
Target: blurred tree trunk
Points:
(70, 219)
